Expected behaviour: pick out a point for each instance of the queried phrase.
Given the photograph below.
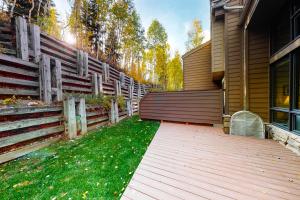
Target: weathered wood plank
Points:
(70, 117)
(25, 150)
(59, 92)
(28, 110)
(18, 81)
(82, 116)
(71, 88)
(18, 61)
(45, 79)
(7, 126)
(22, 38)
(35, 32)
(97, 120)
(22, 92)
(11, 140)
(18, 71)
(95, 83)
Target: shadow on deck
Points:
(196, 162)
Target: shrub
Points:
(121, 102)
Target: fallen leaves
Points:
(23, 184)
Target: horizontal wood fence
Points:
(202, 107)
(36, 66)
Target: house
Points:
(255, 55)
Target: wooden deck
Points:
(194, 162)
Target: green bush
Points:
(121, 102)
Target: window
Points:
(285, 90)
(280, 34)
(281, 118)
(281, 84)
(297, 122)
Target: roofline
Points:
(196, 49)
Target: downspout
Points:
(245, 69)
(245, 53)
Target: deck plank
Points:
(198, 162)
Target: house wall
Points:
(258, 73)
(197, 69)
(233, 61)
(218, 62)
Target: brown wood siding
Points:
(204, 107)
(218, 45)
(258, 73)
(197, 70)
(233, 47)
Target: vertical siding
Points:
(233, 47)
(258, 73)
(218, 45)
(197, 69)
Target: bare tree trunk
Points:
(39, 8)
(13, 8)
(30, 11)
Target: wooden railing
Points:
(201, 107)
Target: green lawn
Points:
(96, 166)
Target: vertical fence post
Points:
(95, 84)
(139, 91)
(85, 64)
(118, 89)
(82, 115)
(80, 62)
(106, 72)
(122, 78)
(22, 39)
(70, 117)
(58, 78)
(112, 112)
(116, 112)
(129, 107)
(35, 37)
(100, 84)
(45, 79)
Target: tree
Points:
(50, 24)
(156, 35)
(175, 73)
(157, 53)
(195, 35)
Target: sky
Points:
(175, 15)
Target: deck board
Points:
(198, 162)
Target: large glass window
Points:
(285, 90)
(281, 84)
(281, 31)
(281, 118)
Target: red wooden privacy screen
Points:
(202, 107)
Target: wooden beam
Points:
(112, 112)
(7, 126)
(58, 77)
(80, 62)
(35, 42)
(28, 110)
(11, 140)
(288, 49)
(95, 84)
(16, 81)
(18, 61)
(70, 117)
(100, 84)
(22, 92)
(45, 79)
(116, 111)
(82, 116)
(85, 64)
(25, 150)
(22, 38)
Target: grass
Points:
(96, 166)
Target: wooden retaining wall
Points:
(202, 107)
(36, 66)
(22, 126)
